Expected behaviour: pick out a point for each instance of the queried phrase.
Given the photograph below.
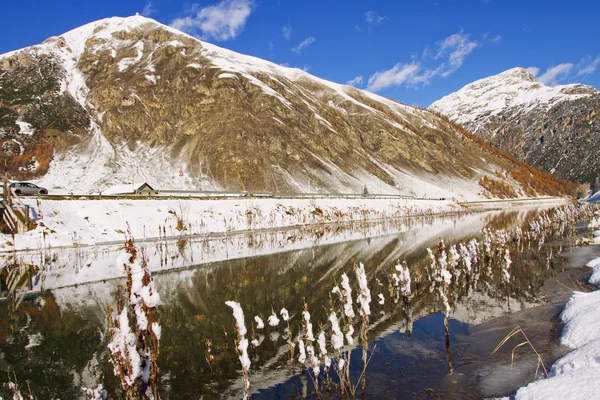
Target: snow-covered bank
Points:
(576, 375)
(79, 266)
(88, 222)
(93, 222)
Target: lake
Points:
(55, 336)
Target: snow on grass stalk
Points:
(242, 342)
(347, 294)
(364, 294)
(314, 362)
(308, 326)
(123, 349)
(134, 353)
(259, 322)
(349, 334)
(301, 352)
(273, 320)
(453, 261)
(465, 255)
(506, 266)
(337, 338)
(323, 350)
(285, 315)
(402, 280)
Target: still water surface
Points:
(55, 340)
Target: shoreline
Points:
(63, 224)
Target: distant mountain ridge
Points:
(129, 98)
(556, 128)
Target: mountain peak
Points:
(514, 88)
(546, 126)
(519, 73)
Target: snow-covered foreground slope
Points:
(576, 375)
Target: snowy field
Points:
(576, 375)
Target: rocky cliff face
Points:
(554, 128)
(127, 98)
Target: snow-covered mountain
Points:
(129, 98)
(552, 127)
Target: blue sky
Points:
(414, 51)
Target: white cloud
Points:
(223, 21)
(489, 36)
(148, 9)
(356, 81)
(456, 48)
(450, 54)
(373, 18)
(287, 32)
(555, 74)
(588, 66)
(303, 44)
(535, 71)
(395, 76)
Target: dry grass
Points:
(497, 188)
(515, 332)
(17, 165)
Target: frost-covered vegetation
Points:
(452, 269)
(134, 346)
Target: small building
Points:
(146, 189)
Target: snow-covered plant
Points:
(301, 352)
(440, 274)
(134, 347)
(337, 338)
(402, 280)
(259, 322)
(465, 255)
(323, 352)
(487, 242)
(94, 393)
(506, 266)
(273, 320)
(242, 343)
(364, 294)
(453, 261)
(307, 325)
(285, 315)
(309, 358)
(443, 268)
(14, 389)
(347, 294)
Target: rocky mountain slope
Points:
(555, 128)
(129, 98)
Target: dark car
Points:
(27, 188)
